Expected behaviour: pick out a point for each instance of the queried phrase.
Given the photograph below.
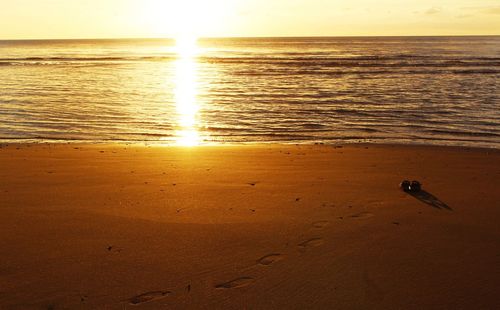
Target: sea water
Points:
(429, 90)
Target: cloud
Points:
(434, 10)
(484, 9)
(492, 10)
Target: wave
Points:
(254, 72)
(303, 60)
(90, 58)
(292, 68)
(86, 139)
(462, 133)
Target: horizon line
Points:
(262, 37)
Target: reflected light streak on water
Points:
(186, 94)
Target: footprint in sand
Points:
(239, 282)
(148, 296)
(326, 205)
(311, 243)
(320, 224)
(362, 215)
(270, 259)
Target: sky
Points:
(71, 19)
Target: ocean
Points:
(409, 90)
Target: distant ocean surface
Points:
(429, 90)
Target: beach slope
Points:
(293, 227)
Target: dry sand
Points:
(291, 227)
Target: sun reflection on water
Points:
(186, 92)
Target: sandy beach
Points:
(257, 227)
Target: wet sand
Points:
(296, 227)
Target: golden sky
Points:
(47, 19)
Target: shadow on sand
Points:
(431, 200)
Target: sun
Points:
(186, 46)
(184, 20)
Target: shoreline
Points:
(283, 226)
(246, 144)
